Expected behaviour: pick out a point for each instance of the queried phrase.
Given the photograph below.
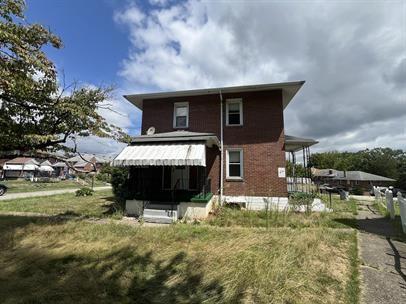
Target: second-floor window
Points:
(234, 112)
(181, 115)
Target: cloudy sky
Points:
(352, 55)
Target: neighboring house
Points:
(179, 158)
(20, 167)
(349, 179)
(2, 162)
(60, 169)
(45, 169)
(85, 163)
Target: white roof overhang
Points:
(191, 154)
(289, 90)
(13, 167)
(28, 167)
(46, 168)
(293, 143)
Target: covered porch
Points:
(299, 148)
(166, 170)
(169, 184)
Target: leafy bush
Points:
(299, 199)
(119, 182)
(103, 177)
(84, 192)
(105, 173)
(81, 175)
(357, 190)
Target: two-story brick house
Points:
(229, 141)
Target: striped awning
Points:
(162, 155)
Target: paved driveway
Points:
(9, 196)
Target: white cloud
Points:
(97, 145)
(352, 55)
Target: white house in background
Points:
(45, 168)
(20, 167)
(60, 169)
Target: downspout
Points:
(221, 149)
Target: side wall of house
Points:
(261, 137)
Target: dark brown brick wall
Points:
(261, 137)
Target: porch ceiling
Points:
(169, 154)
(177, 136)
(294, 143)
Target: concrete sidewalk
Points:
(9, 196)
(383, 260)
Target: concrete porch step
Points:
(161, 212)
(160, 215)
(158, 219)
(161, 206)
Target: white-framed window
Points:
(234, 112)
(181, 115)
(235, 166)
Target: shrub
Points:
(299, 199)
(81, 175)
(357, 190)
(84, 192)
(105, 173)
(119, 182)
(103, 177)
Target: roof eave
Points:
(209, 140)
(289, 91)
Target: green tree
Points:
(299, 169)
(381, 161)
(36, 113)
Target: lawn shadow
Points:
(82, 279)
(349, 222)
(380, 226)
(48, 273)
(68, 214)
(9, 223)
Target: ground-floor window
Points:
(234, 161)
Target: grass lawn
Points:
(48, 261)
(98, 205)
(343, 216)
(20, 186)
(230, 258)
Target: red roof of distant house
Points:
(3, 160)
(20, 160)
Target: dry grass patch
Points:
(343, 216)
(76, 261)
